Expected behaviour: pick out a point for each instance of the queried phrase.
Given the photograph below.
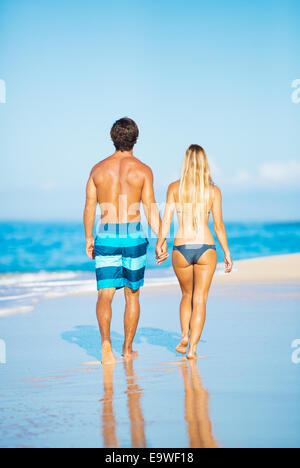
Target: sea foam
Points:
(19, 293)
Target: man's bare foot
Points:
(129, 353)
(108, 356)
(182, 347)
(192, 354)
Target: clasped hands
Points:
(161, 251)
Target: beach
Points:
(243, 391)
(124, 125)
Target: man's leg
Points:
(131, 320)
(104, 313)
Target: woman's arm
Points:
(166, 224)
(220, 228)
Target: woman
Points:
(194, 255)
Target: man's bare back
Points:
(121, 182)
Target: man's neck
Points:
(124, 154)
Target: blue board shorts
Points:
(120, 256)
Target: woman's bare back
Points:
(186, 234)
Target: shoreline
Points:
(261, 270)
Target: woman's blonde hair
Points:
(195, 186)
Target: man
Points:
(120, 183)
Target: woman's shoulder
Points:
(216, 191)
(174, 185)
(173, 190)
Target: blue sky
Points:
(216, 73)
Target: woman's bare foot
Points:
(182, 347)
(128, 353)
(192, 354)
(108, 356)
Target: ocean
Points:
(47, 259)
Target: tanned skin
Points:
(195, 280)
(120, 183)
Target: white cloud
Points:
(265, 175)
(280, 173)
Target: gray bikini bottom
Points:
(192, 252)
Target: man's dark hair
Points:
(124, 134)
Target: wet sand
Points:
(242, 392)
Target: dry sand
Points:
(264, 269)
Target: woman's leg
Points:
(203, 274)
(185, 274)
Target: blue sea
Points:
(47, 259)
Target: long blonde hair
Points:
(195, 186)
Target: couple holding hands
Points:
(120, 184)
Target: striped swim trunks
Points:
(120, 256)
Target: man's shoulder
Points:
(100, 165)
(134, 163)
(146, 170)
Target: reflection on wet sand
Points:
(196, 408)
(109, 434)
(199, 426)
(137, 422)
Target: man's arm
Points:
(152, 211)
(89, 216)
(149, 203)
